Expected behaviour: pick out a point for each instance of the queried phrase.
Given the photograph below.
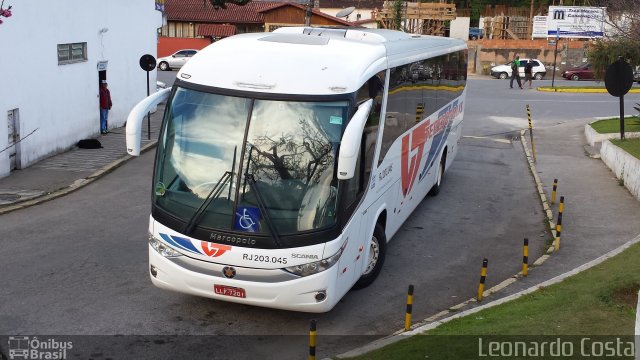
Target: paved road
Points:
(78, 264)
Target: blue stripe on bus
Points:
(179, 242)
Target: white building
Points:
(53, 56)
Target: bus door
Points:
(360, 185)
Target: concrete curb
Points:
(397, 337)
(595, 139)
(580, 90)
(623, 165)
(543, 197)
(78, 184)
(638, 328)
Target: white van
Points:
(504, 71)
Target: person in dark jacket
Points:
(105, 106)
(515, 72)
(528, 73)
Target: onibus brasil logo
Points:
(32, 348)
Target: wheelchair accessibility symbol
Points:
(247, 219)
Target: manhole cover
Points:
(9, 197)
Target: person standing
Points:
(515, 72)
(528, 73)
(105, 106)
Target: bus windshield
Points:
(249, 165)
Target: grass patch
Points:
(612, 126)
(598, 302)
(632, 146)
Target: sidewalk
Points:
(68, 171)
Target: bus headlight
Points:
(161, 248)
(316, 266)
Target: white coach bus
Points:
(286, 160)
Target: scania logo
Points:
(304, 256)
(229, 272)
(232, 239)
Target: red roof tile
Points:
(203, 11)
(216, 30)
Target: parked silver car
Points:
(176, 60)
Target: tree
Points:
(217, 4)
(623, 38)
(4, 12)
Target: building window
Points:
(71, 53)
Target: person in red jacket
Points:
(105, 106)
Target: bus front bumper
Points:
(298, 294)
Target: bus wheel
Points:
(435, 190)
(377, 251)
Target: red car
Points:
(583, 72)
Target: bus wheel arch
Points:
(376, 255)
(435, 189)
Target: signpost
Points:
(618, 80)
(148, 63)
(555, 57)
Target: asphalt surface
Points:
(78, 264)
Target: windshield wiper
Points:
(254, 186)
(213, 195)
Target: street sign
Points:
(618, 80)
(576, 21)
(147, 62)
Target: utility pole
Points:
(307, 16)
(531, 20)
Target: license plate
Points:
(229, 291)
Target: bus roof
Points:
(310, 61)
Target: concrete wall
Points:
(459, 28)
(625, 166)
(59, 103)
(497, 52)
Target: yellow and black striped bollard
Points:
(533, 147)
(483, 277)
(419, 112)
(559, 224)
(312, 340)
(407, 316)
(525, 258)
(554, 191)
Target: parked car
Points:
(475, 33)
(504, 71)
(636, 74)
(176, 60)
(582, 72)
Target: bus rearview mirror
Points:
(350, 144)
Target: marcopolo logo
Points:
(32, 348)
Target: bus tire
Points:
(435, 190)
(375, 260)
